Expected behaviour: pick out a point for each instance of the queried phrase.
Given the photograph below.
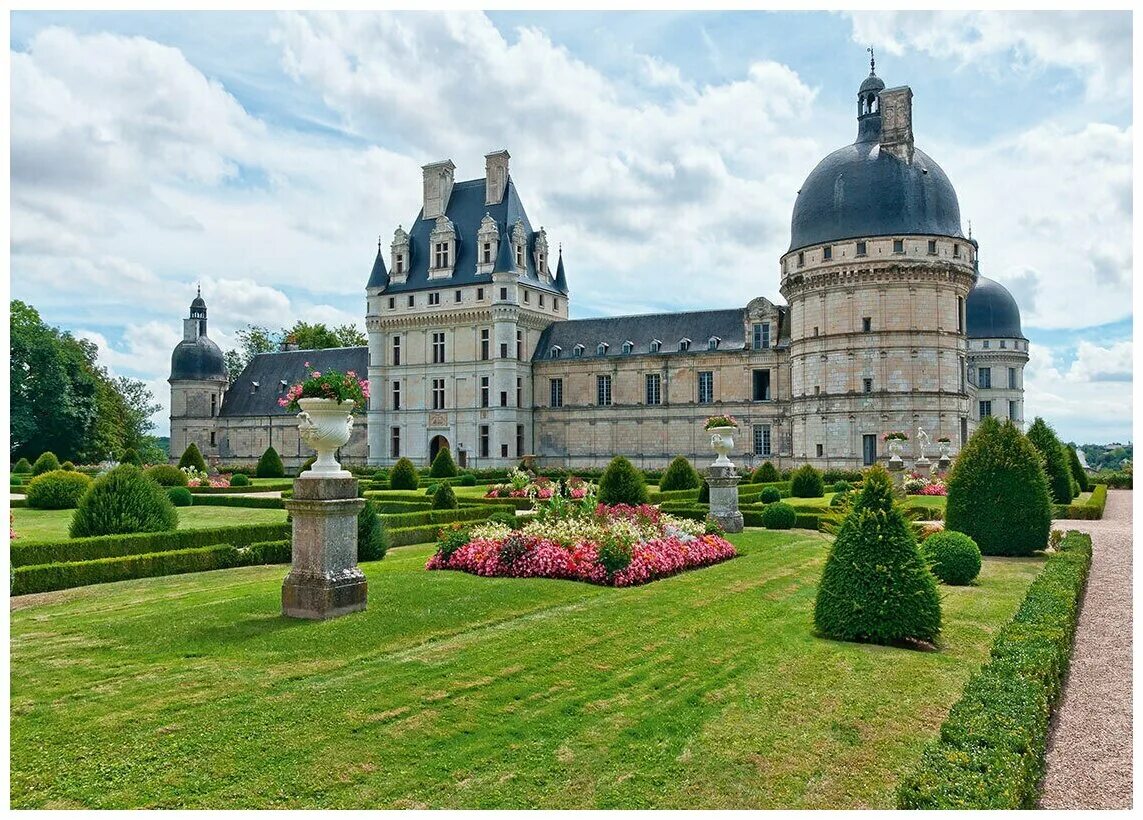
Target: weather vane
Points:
(871, 62)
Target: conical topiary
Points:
(46, 463)
(123, 501)
(622, 484)
(444, 498)
(806, 482)
(131, 456)
(998, 492)
(1078, 472)
(876, 586)
(270, 465)
(765, 474)
(443, 466)
(23, 466)
(193, 458)
(404, 476)
(679, 475)
(1043, 437)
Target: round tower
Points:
(876, 277)
(997, 352)
(198, 383)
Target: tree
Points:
(1076, 468)
(318, 337)
(622, 484)
(443, 466)
(679, 475)
(404, 476)
(1043, 437)
(255, 339)
(765, 473)
(270, 465)
(806, 482)
(252, 340)
(192, 457)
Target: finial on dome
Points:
(198, 287)
(872, 64)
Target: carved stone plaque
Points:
(438, 420)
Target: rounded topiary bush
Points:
(806, 482)
(57, 490)
(468, 480)
(765, 474)
(45, 463)
(432, 489)
(404, 476)
(779, 516)
(381, 476)
(23, 466)
(769, 495)
(270, 465)
(443, 466)
(952, 556)
(166, 476)
(1044, 439)
(679, 475)
(180, 496)
(123, 501)
(372, 537)
(15, 481)
(841, 486)
(622, 484)
(193, 458)
(876, 586)
(704, 493)
(131, 456)
(998, 492)
(69, 466)
(444, 498)
(239, 480)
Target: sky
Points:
(262, 155)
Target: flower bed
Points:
(578, 540)
(522, 485)
(917, 484)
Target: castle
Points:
(887, 326)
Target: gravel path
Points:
(1089, 751)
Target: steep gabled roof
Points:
(269, 370)
(379, 278)
(641, 330)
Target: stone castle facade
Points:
(888, 326)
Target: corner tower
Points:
(877, 277)
(198, 382)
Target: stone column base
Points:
(923, 466)
(943, 463)
(318, 597)
(723, 483)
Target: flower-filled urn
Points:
(896, 442)
(325, 425)
(722, 430)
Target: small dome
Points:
(198, 302)
(200, 359)
(872, 83)
(991, 311)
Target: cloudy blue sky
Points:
(262, 154)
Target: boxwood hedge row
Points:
(1091, 509)
(990, 751)
(239, 501)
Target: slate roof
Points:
(641, 330)
(992, 312)
(271, 369)
(466, 209)
(199, 359)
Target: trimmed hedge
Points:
(267, 552)
(404, 476)
(766, 473)
(48, 577)
(192, 457)
(27, 553)
(46, 463)
(622, 484)
(444, 498)
(443, 466)
(779, 516)
(438, 517)
(680, 475)
(1055, 459)
(953, 557)
(265, 487)
(990, 751)
(123, 502)
(806, 482)
(23, 466)
(254, 502)
(1092, 509)
(180, 496)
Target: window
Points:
(527, 295)
(395, 442)
(520, 345)
(434, 298)
(503, 294)
(577, 351)
(503, 398)
(962, 370)
(820, 451)
(654, 388)
(827, 253)
(1013, 410)
(438, 348)
(456, 296)
(392, 302)
(504, 451)
(541, 300)
(412, 300)
(866, 324)
(519, 256)
(986, 344)
(712, 343)
(762, 385)
(519, 391)
(706, 386)
(213, 404)
(867, 385)
(603, 390)
(396, 395)
(555, 352)
(487, 253)
(815, 330)
(898, 246)
(801, 259)
(555, 303)
(556, 392)
(483, 391)
(869, 449)
(438, 394)
(519, 440)
(1012, 385)
(396, 350)
(1003, 344)
(484, 441)
(960, 314)
(484, 344)
(984, 378)
(956, 250)
(761, 439)
(985, 409)
(932, 247)
(503, 350)
(762, 336)
(684, 345)
(817, 389)
(212, 443)
(627, 348)
(400, 266)
(656, 346)
(601, 349)
(441, 255)
(861, 249)
(480, 294)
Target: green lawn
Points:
(707, 689)
(43, 525)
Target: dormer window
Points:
(519, 243)
(442, 240)
(282, 385)
(441, 250)
(712, 343)
(399, 264)
(488, 239)
(254, 387)
(399, 255)
(519, 256)
(656, 345)
(577, 351)
(627, 347)
(684, 345)
(555, 352)
(540, 252)
(601, 349)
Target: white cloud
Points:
(1088, 401)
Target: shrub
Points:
(952, 556)
(15, 481)
(123, 501)
(443, 466)
(779, 516)
(876, 586)
(444, 498)
(998, 492)
(1077, 470)
(239, 480)
(622, 484)
(69, 466)
(270, 465)
(166, 476)
(806, 482)
(404, 476)
(23, 466)
(468, 480)
(769, 495)
(46, 463)
(192, 458)
(431, 489)
(131, 456)
(381, 476)
(506, 517)
(309, 462)
(1043, 437)
(680, 475)
(704, 493)
(842, 486)
(57, 490)
(180, 496)
(46, 577)
(765, 474)
(372, 537)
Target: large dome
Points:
(991, 311)
(200, 359)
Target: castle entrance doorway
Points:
(435, 447)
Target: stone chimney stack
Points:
(438, 187)
(896, 106)
(495, 176)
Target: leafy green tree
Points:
(192, 457)
(270, 465)
(1076, 468)
(622, 484)
(255, 339)
(679, 475)
(443, 466)
(130, 457)
(1043, 437)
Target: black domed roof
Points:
(198, 302)
(991, 311)
(872, 83)
(198, 359)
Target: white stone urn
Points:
(722, 442)
(325, 425)
(896, 447)
(945, 448)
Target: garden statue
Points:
(921, 465)
(721, 476)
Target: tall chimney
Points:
(495, 176)
(896, 106)
(438, 187)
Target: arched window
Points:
(684, 345)
(627, 347)
(577, 351)
(601, 349)
(656, 345)
(555, 352)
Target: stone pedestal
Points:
(897, 473)
(324, 580)
(943, 464)
(922, 466)
(723, 483)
